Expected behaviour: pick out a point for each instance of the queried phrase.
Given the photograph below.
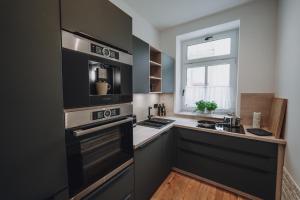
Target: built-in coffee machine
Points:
(94, 74)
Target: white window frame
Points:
(216, 60)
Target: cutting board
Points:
(277, 115)
(255, 102)
(272, 110)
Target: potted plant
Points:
(201, 106)
(211, 106)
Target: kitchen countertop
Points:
(142, 134)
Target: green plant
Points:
(210, 106)
(201, 105)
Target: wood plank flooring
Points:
(180, 187)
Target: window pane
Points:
(218, 75)
(195, 76)
(209, 49)
(216, 88)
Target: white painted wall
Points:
(140, 27)
(287, 78)
(257, 50)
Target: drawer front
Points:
(120, 187)
(232, 143)
(246, 165)
(254, 182)
(229, 155)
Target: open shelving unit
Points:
(155, 70)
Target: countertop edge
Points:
(250, 137)
(153, 137)
(247, 135)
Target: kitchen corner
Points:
(257, 156)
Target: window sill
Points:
(200, 115)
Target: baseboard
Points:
(290, 189)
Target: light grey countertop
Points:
(142, 134)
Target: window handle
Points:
(183, 91)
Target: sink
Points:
(155, 122)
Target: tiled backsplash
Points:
(168, 101)
(141, 102)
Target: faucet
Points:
(149, 113)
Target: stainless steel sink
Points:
(155, 122)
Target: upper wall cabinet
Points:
(153, 71)
(99, 19)
(140, 66)
(168, 74)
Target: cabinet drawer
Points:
(231, 143)
(254, 182)
(120, 187)
(229, 156)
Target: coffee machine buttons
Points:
(106, 52)
(107, 113)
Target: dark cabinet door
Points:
(246, 165)
(141, 68)
(168, 74)
(32, 143)
(120, 187)
(168, 153)
(99, 19)
(148, 172)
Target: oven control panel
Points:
(104, 51)
(105, 114)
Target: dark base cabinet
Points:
(119, 187)
(153, 162)
(248, 166)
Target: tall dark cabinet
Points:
(32, 127)
(98, 19)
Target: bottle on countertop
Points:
(159, 110)
(164, 112)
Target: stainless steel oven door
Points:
(96, 152)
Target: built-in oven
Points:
(99, 146)
(94, 74)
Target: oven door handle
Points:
(102, 127)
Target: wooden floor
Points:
(180, 187)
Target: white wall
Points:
(257, 42)
(287, 79)
(141, 27)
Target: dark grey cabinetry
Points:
(141, 70)
(153, 162)
(168, 74)
(168, 152)
(249, 166)
(99, 19)
(148, 162)
(120, 187)
(32, 143)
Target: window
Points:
(209, 71)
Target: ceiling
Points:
(167, 13)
